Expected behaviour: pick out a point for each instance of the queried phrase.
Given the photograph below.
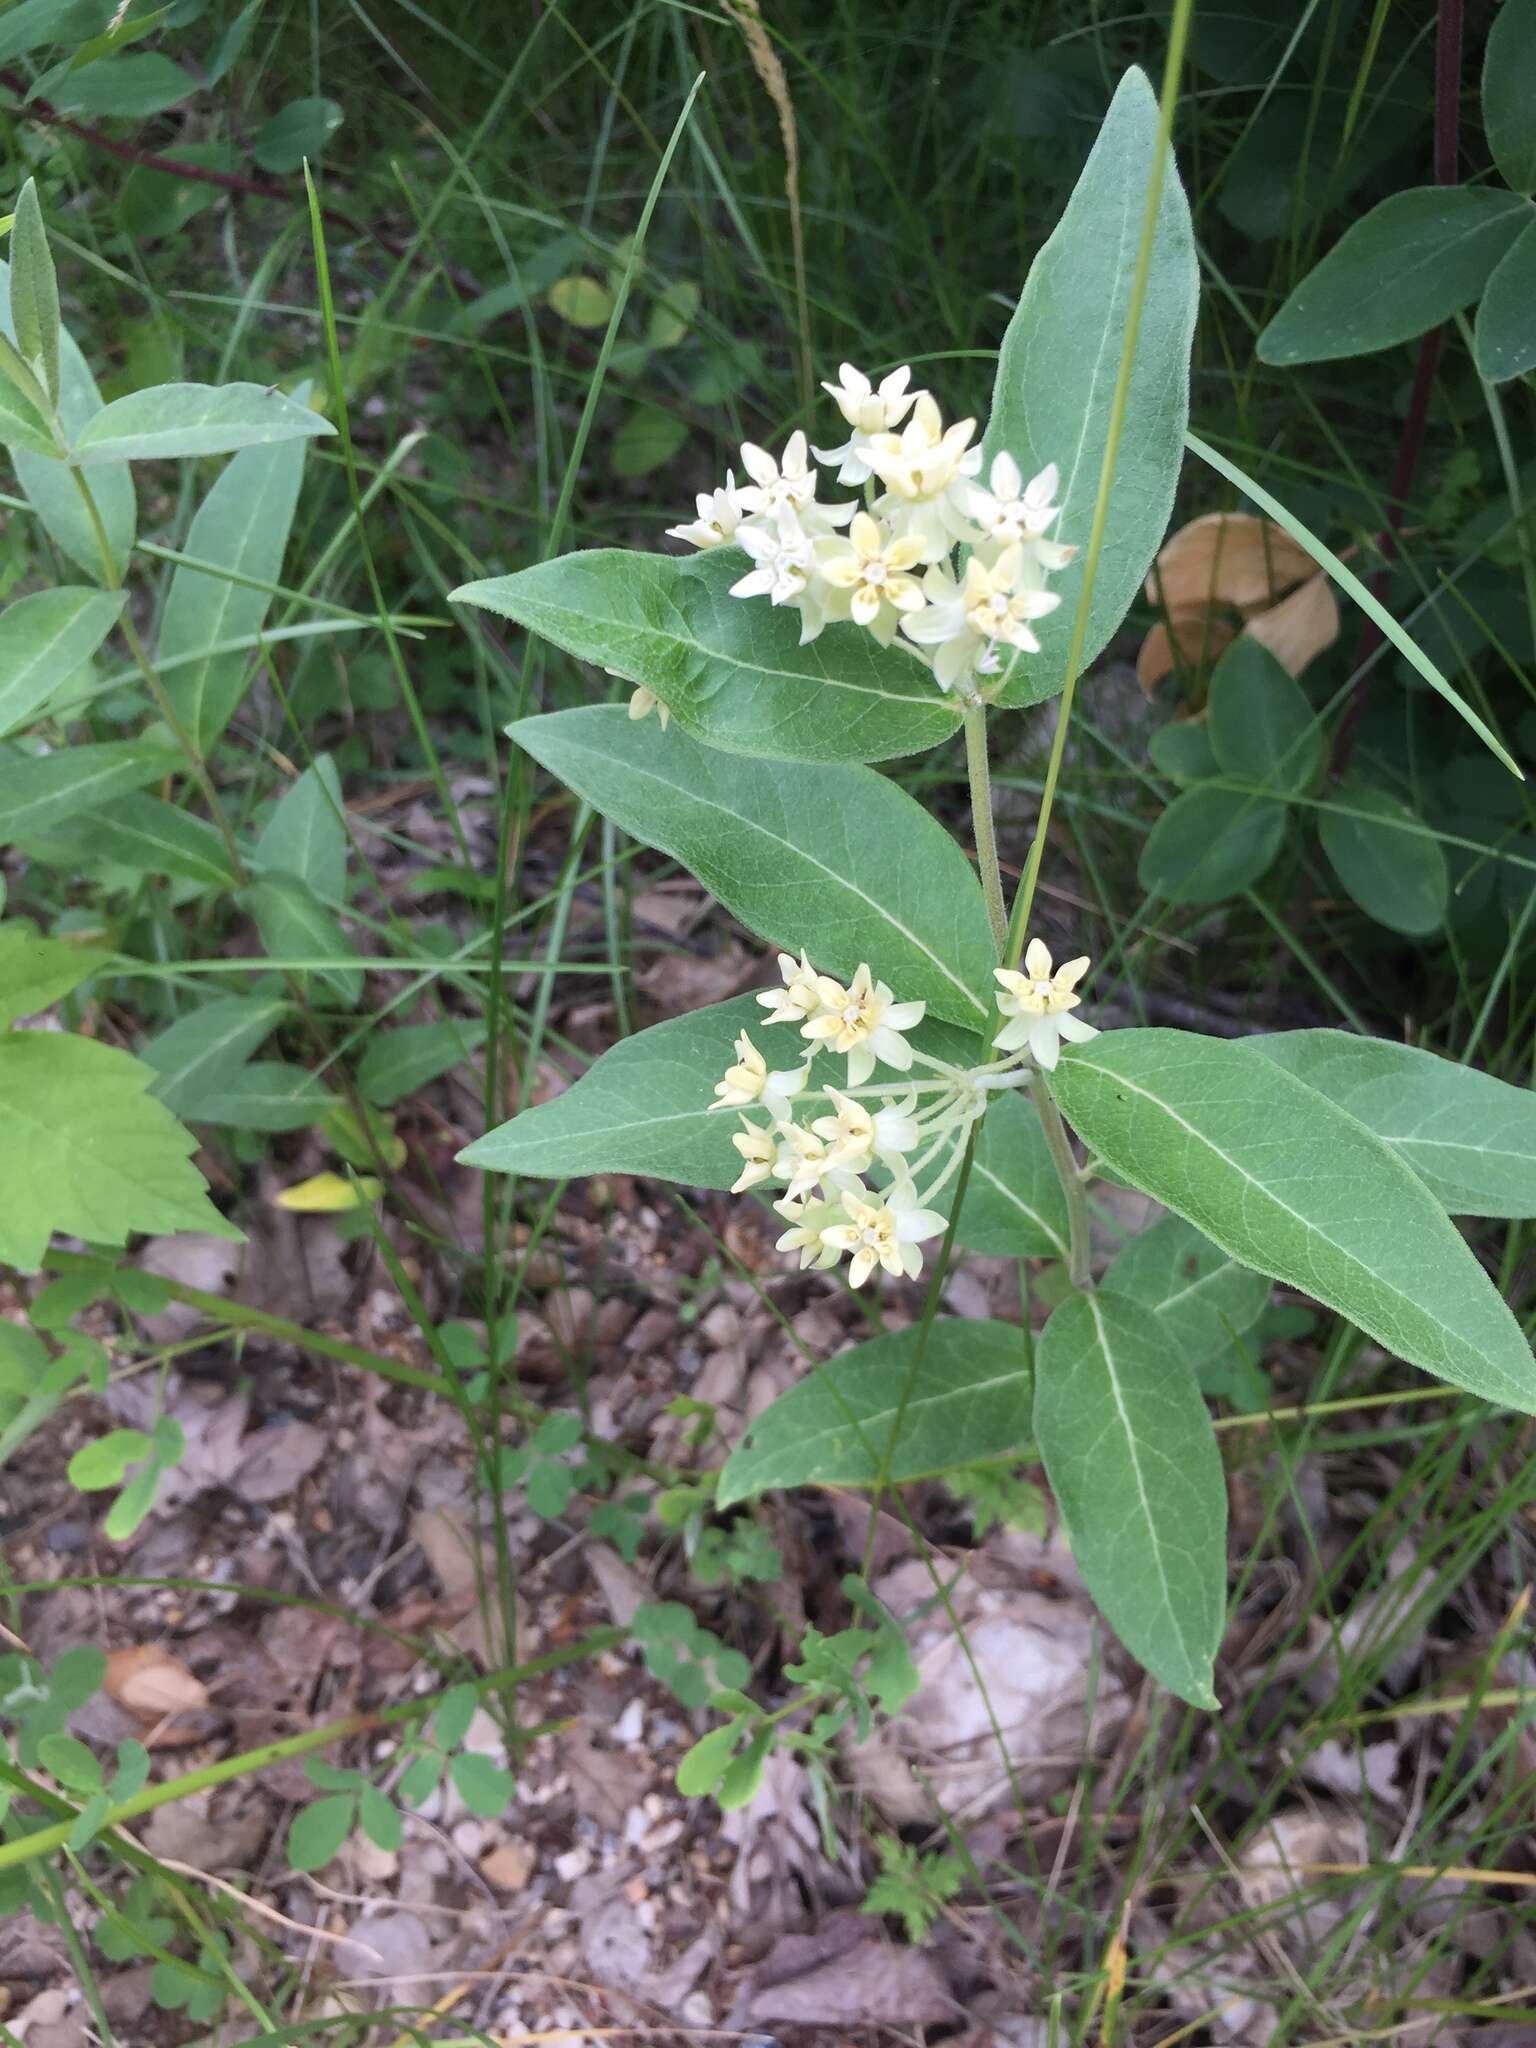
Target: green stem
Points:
(979, 775)
(112, 579)
(1060, 1145)
(44, 1841)
(1023, 902)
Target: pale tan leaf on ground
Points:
(1231, 558)
(151, 1683)
(1192, 637)
(1301, 625)
(276, 1458)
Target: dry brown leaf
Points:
(509, 1866)
(150, 1683)
(274, 1460)
(1301, 625)
(1231, 558)
(1189, 638)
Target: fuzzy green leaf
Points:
(1295, 1187)
(731, 670)
(834, 859)
(1200, 1298)
(969, 1399)
(1014, 1205)
(35, 292)
(172, 420)
(1058, 367)
(1133, 1463)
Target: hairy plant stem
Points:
(112, 579)
(1079, 1265)
(44, 1841)
(979, 775)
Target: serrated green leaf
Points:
(1200, 1297)
(306, 836)
(1262, 729)
(1469, 1137)
(1295, 1187)
(39, 791)
(35, 971)
(1387, 858)
(35, 292)
(203, 1052)
(88, 1152)
(969, 1399)
(731, 672)
(1059, 363)
(1509, 93)
(242, 525)
(105, 1462)
(146, 835)
(1504, 332)
(318, 1830)
(172, 420)
(1014, 1205)
(1132, 1460)
(835, 859)
(1211, 843)
(398, 1063)
(1413, 261)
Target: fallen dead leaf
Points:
(275, 1459)
(870, 1983)
(1300, 626)
(1191, 638)
(149, 1682)
(1233, 558)
(509, 1866)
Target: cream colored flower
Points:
(856, 1136)
(805, 992)
(871, 567)
(1038, 1004)
(926, 470)
(867, 411)
(993, 606)
(866, 1023)
(1012, 511)
(645, 701)
(751, 1081)
(803, 1161)
(759, 1150)
(787, 486)
(883, 1230)
(720, 513)
(808, 1222)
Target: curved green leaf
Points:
(1210, 843)
(1410, 263)
(832, 859)
(730, 671)
(1504, 332)
(146, 835)
(1295, 1187)
(1262, 729)
(1200, 1297)
(1014, 1204)
(35, 971)
(43, 640)
(1509, 93)
(1059, 362)
(40, 791)
(1387, 858)
(970, 1399)
(1133, 1463)
(172, 420)
(1469, 1137)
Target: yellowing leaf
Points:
(581, 300)
(673, 314)
(328, 1194)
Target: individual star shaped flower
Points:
(1012, 511)
(759, 1150)
(926, 470)
(803, 1162)
(720, 513)
(867, 411)
(866, 1023)
(871, 567)
(808, 1223)
(856, 1136)
(787, 486)
(1038, 1004)
(883, 1230)
(751, 1081)
(804, 994)
(965, 622)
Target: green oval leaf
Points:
(146, 835)
(171, 420)
(1412, 262)
(1210, 843)
(318, 1830)
(35, 971)
(1469, 1137)
(1014, 1204)
(969, 1398)
(105, 1462)
(1132, 1460)
(1295, 1187)
(1504, 332)
(1387, 858)
(299, 130)
(1262, 729)
(731, 671)
(1509, 93)
(703, 1766)
(68, 1759)
(1199, 1296)
(128, 88)
(648, 437)
(39, 791)
(1059, 363)
(832, 859)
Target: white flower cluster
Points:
(899, 1129)
(888, 565)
